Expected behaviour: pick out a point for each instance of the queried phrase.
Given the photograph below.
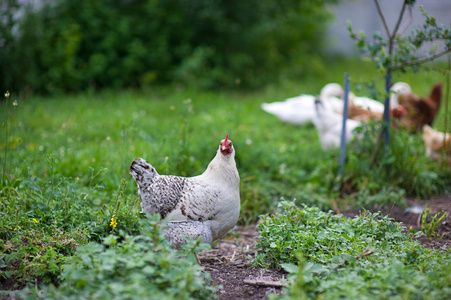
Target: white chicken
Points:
(329, 124)
(300, 110)
(207, 205)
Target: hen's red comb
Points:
(227, 137)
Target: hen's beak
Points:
(223, 148)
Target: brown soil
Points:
(229, 265)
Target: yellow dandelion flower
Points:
(35, 220)
(113, 221)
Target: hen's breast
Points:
(217, 205)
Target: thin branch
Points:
(376, 148)
(407, 23)
(429, 39)
(365, 253)
(400, 18)
(448, 82)
(420, 61)
(392, 37)
(383, 18)
(263, 282)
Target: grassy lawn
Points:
(65, 159)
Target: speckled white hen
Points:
(207, 205)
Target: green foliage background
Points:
(73, 45)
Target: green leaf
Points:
(290, 268)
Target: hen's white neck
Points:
(223, 167)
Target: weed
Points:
(400, 169)
(320, 236)
(36, 254)
(325, 257)
(428, 227)
(129, 267)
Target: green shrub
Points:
(402, 165)
(324, 254)
(73, 45)
(382, 177)
(36, 255)
(320, 236)
(140, 266)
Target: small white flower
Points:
(282, 169)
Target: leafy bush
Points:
(399, 170)
(402, 165)
(327, 257)
(73, 45)
(42, 221)
(33, 254)
(367, 280)
(321, 236)
(141, 266)
(45, 205)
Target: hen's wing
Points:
(163, 195)
(159, 194)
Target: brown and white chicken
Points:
(420, 110)
(438, 144)
(206, 206)
(362, 114)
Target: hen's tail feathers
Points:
(436, 93)
(142, 172)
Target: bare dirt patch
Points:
(229, 265)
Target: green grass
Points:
(65, 160)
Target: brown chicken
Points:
(361, 114)
(420, 110)
(438, 144)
